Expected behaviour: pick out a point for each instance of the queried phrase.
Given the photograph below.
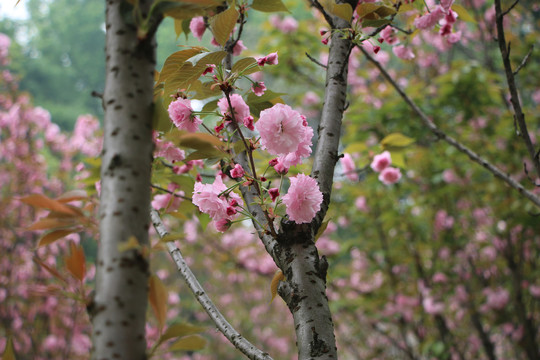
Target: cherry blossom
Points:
(381, 161)
(181, 114)
(303, 200)
(390, 176)
(197, 27)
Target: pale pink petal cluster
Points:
(284, 132)
(169, 201)
(349, 169)
(381, 161)
(211, 200)
(430, 19)
(168, 151)
(390, 175)
(241, 109)
(197, 27)
(403, 52)
(238, 48)
(287, 25)
(181, 114)
(303, 200)
(388, 36)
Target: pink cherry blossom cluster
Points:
(284, 132)
(381, 164)
(286, 25)
(219, 202)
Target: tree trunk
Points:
(118, 310)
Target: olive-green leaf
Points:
(206, 58)
(396, 140)
(269, 5)
(9, 353)
(189, 343)
(242, 65)
(463, 13)
(223, 24)
(180, 330)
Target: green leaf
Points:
(375, 23)
(204, 90)
(463, 13)
(267, 96)
(9, 353)
(175, 61)
(355, 148)
(178, 27)
(321, 230)
(206, 58)
(160, 118)
(184, 181)
(343, 11)
(269, 5)
(223, 24)
(204, 154)
(180, 330)
(204, 220)
(199, 141)
(241, 65)
(173, 237)
(189, 343)
(398, 158)
(186, 9)
(157, 296)
(396, 140)
(373, 11)
(210, 106)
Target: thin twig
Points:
(157, 187)
(198, 291)
(523, 62)
(327, 16)
(509, 9)
(450, 140)
(316, 61)
(514, 95)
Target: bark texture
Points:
(294, 251)
(118, 310)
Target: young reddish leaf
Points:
(50, 223)
(42, 201)
(9, 353)
(76, 262)
(52, 271)
(72, 195)
(51, 237)
(278, 276)
(157, 296)
(189, 343)
(223, 24)
(179, 330)
(269, 5)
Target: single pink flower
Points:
(181, 114)
(381, 161)
(311, 98)
(237, 171)
(303, 200)
(197, 27)
(288, 25)
(388, 35)
(281, 168)
(238, 48)
(241, 109)
(281, 129)
(170, 202)
(403, 52)
(360, 204)
(222, 225)
(349, 169)
(390, 176)
(258, 88)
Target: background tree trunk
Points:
(119, 308)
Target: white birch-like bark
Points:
(118, 310)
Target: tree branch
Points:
(523, 62)
(239, 342)
(450, 140)
(514, 95)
